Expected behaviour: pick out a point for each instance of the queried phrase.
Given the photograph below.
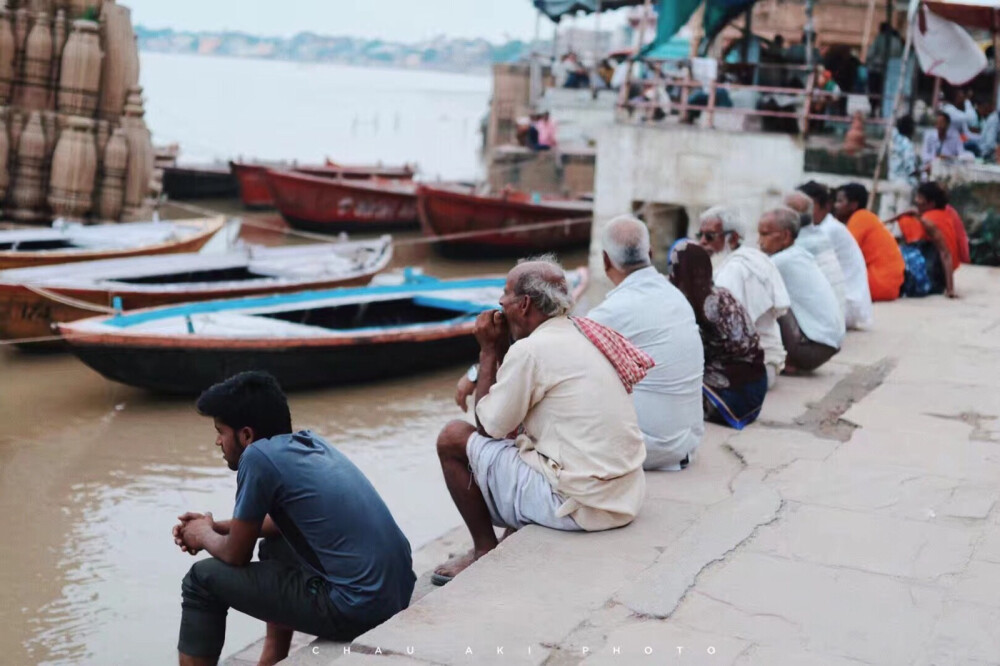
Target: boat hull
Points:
(192, 370)
(191, 243)
(256, 194)
(194, 183)
(326, 205)
(445, 212)
(253, 185)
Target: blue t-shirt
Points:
(332, 517)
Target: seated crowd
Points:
(568, 410)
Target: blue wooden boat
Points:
(306, 340)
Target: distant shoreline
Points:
(480, 70)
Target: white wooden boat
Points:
(65, 242)
(32, 299)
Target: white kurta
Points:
(858, 313)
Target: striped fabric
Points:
(630, 362)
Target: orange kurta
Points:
(914, 231)
(883, 259)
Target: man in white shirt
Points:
(814, 241)
(858, 313)
(814, 328)
(752, 278)
(557, 442)
(656, 318)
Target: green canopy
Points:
(674, 15)
(556, 9)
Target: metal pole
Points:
(597, 50)
(889, 124)
(642, 36)
(809, 34)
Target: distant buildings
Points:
(437, 53)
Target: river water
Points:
(94, 473)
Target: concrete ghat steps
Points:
(856, 523)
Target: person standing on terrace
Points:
(333, 562)
(556, 441)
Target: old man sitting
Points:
(656, 318)
(750, 276)
(557, 442)
(813, 329)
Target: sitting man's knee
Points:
(199, 577)
(453, 438)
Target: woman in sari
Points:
(735, 378)
(932, 249)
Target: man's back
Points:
(332, 517)
(658, 319)
(814, 303)
(852, 263)
(753, 279)
(580, 428)
(813, 240)
(883, 260)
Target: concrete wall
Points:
(692, 168)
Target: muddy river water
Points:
(94, 473)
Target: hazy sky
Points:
(394, 20)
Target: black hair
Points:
(251, 399)
(942, 114)
(934, 193)
(905, 126)
(855, 193)
(818, 192)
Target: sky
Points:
(392, 20)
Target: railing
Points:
(678, 86)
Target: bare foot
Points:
(456, 565)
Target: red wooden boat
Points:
(519, 225)
(331, 205)
(256, 194)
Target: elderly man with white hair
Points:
(751, 277)
(656, 317)
(556, 441)
(813, 330)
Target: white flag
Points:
(945, 49)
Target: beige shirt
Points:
(580, 428)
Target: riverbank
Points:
(856, 522)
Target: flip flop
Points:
(440, 579)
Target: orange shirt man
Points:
(883, 259)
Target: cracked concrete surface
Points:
(857, 523)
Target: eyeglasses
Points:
(710, 236)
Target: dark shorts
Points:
(801, 352)
(276, 589)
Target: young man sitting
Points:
(333, 562)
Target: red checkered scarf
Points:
(630, 362)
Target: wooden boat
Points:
(331, 205)
(256, 194)
(32, 299)
(199, 182)
(519, 225)
(306, 340)
(70, 242)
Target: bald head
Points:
(543, 281)
(798, 202)
(626, 243)
(803, 205)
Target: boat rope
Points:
(494, 232)
(249, 220)
(67, 300)
(46, 338)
